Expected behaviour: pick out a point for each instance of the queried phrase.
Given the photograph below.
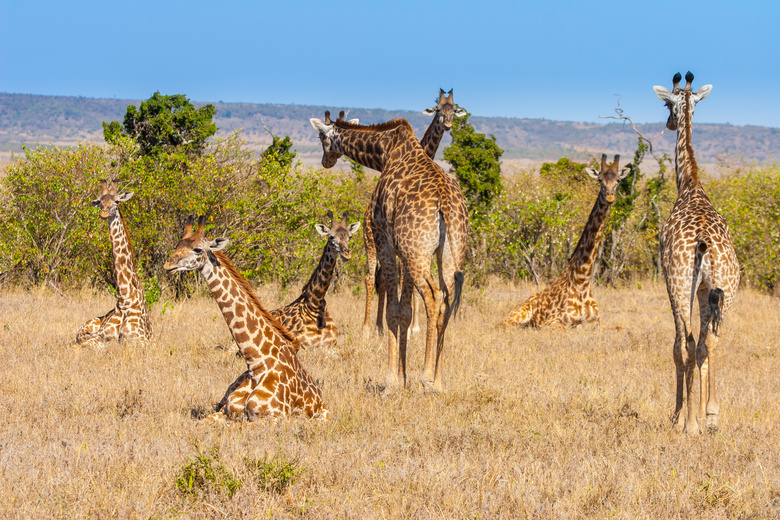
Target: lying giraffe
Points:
(129, 319)
(568, 302)
(275, 384)
(418, 216)
(698, 260)
(306, 317)
(442, 113)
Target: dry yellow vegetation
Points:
(533, 424)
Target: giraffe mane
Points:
(379, 127)
(244, 284)
(688, 129)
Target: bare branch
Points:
(622, 117)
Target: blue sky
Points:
(560, 60)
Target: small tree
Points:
(279, 152)
(163, 123)
(475, 160)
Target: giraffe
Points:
(568, 302)
(129, 319)
(698, 260)
(418, 215)
(306, 317)
(443, 113)
(274, 384)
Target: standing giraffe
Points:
(443, 113)
(306, 317)
(129, 319)
(568, 302)
(698, 260)
(275, 384)
(418, 216)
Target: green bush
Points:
(205, 474)
(274, 475)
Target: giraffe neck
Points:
(580, 265)
(255, 331)
(128, 285)
(433, 136)
(373, 146)
(685, 166)
(315, 289)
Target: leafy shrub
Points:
(206, 474)
(274, 475)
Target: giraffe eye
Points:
(197, 250)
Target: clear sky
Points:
(553, 59)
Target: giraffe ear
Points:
(322, 230)
(218, 244)
(624, 172)
(593, 173)
(702, 93)
(321, 127)
(662, 93)
(429, 111)
(124, 197)
(354, 227)
(459, 112)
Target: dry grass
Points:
(533, 424)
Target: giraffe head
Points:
(609, 176)
(108, 200)
(445, 109)
(194, 249)
(680, 101)
(339, 234)
(331, 148)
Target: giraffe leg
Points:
(386, 255)
(679, 364)
(432, 299)
(88, 330)
(381, 299)
(238, 382)
(691, 422)
(107, 330)
(269, 398)
(405, 315)
(415, 313)
(234, 402)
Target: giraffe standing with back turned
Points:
(568, 302)
(442, 113)
(417, 216)
(129, 319)
(698, 260)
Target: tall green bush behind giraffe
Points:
(49, 233)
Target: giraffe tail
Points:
(716, 309)
(458, 291)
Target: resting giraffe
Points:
(568, 302)
(275, 384)
(419, 216)
(443, 113)
(698, 259)
(129, 319)
(306, 317)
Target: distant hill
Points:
(60, 120)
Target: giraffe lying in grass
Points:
(275, 384)
(307, 317)
(568, 301)
(129, 319)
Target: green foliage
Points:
(565, 170)
(205, 474)
(274, 475)
(49, 232)
(475, 161)
(750, 203)
(279, 152)
(164, 123)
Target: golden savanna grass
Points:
(533, 424)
